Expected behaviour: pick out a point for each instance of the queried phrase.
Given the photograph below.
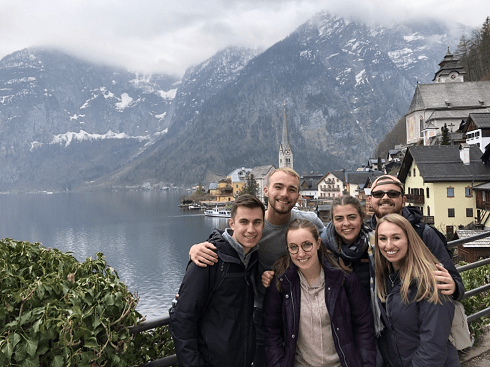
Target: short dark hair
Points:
(248, 201)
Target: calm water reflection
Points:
(144, 235)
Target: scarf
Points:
(351, 253)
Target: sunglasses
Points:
(392, 194)
(306, 246)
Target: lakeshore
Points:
(143, 234)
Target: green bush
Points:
(151, 345)
(56, 311)
(472, 279)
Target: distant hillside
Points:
(344, 85)
(396, 136)
(67, 124)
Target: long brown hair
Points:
(284, 262)
(417, 265)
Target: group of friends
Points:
(278, 288)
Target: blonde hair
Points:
(417, 265)
(287, 170)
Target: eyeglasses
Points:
(306, 246)
(392, 194)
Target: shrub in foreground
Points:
(472, 279)
(58, 312)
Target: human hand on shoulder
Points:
(267, 277)
(202, 254)
(445, 282)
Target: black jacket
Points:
(348, 308)
(416, 334)
(212, 322)
(433, 243)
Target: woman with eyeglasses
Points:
(315, 313)
(417, 316)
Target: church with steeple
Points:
(285, 152)
(449, 100)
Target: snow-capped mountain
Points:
(345, 84)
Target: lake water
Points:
(144, 235)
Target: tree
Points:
(445, 139)
(474, 55)
(251, 186)
(200, 190)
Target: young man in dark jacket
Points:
(212, 323)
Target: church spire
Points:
(285, 139)
(450, 70)
(285, 152)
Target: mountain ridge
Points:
(345, 84)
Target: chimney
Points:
(464, 153)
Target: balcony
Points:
(330, 189)
(429, 219)
(415, 199)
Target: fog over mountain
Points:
(68, 124)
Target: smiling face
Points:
(282, 192)
(347, 222)
(247, 226)
(307, 262)
(386, 205)
(392, 242)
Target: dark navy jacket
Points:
(416, 334)
(348, 308)
(212, 323)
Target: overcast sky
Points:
(167, 36)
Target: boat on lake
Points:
(218, 212)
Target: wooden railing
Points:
(172, 360)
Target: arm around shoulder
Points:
(438, 249)
(203, 254)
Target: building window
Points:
(428, 211)
(449, 230)
(450, 212)
(450, 192)
(414, 172)
(427, 192)
(469, 212)
(467, 192)
(409, 173)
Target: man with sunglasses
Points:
(387, 196)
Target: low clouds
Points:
(169, 36)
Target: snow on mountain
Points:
(345, 84)
(67, 138)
